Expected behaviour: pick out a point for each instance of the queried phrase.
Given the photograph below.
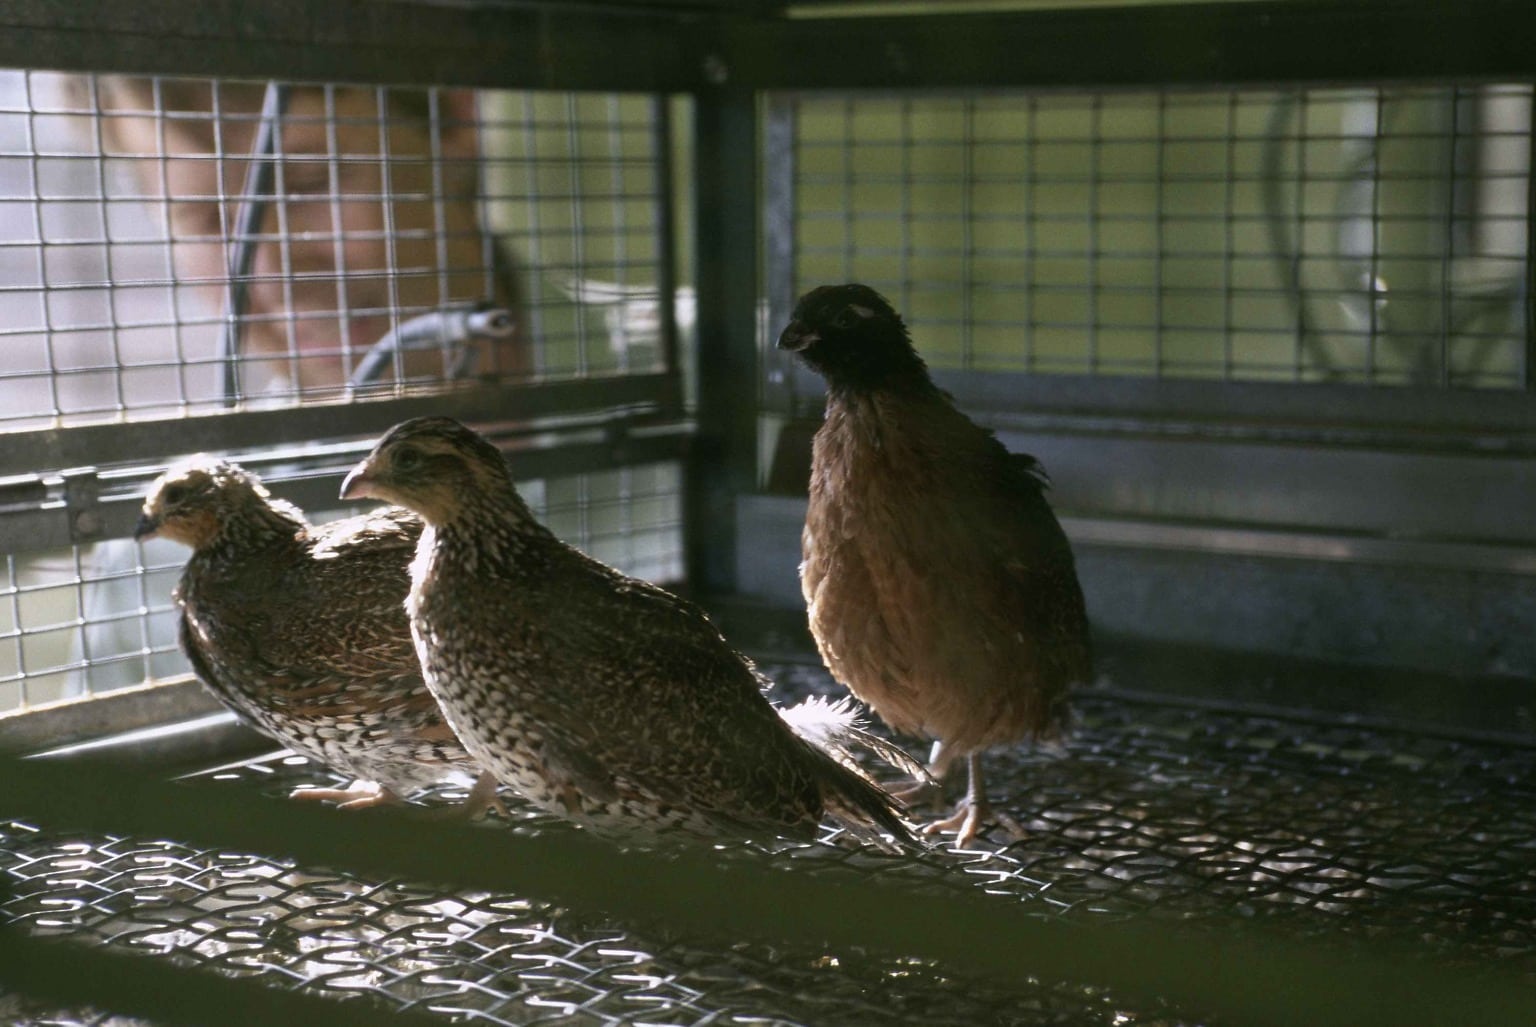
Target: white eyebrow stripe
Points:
(861, 311)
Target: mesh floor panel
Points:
(1215, 818)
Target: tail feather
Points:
(866, 809)
(832, 731)
(834, 727)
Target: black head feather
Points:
(852, 336)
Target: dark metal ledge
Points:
(146, 441)
(164, 723)
(545, 46)
(1174, 45)
(691, 46)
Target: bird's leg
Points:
(368, 794)
(357, 795)
(930, 788)
(482, 797)
(973, 811)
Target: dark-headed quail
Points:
(600, 697)
(940, 587)
(302, 630)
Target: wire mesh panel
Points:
(76, 623)
(149, 269)
(175, 247)
(1227, 821)
(1372, 235)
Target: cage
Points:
(1250, 278)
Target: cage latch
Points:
(616, 438)
(82, 505)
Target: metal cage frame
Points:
(725, 59)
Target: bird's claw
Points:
(963, 824)
(368, 795)
(968, 820)
(360, 795)
(481, 798)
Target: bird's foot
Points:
(968, 821)
(358, 795)
(965, 823)
(481, 799)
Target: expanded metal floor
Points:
(1214, 818)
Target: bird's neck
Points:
(902, 381)
(255, 526)
(488, 529)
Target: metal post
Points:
(724, 462)
(780, 384)
(666, 251)
(1530, 254)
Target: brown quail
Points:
(302, 630)
(602, 698)
(939, 585)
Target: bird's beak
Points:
(147, 528)
(358, 484)
(796, 337)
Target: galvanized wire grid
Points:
(90, 619)
(120, 202)
(1216, 819)
(1373, 235)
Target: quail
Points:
(600, 697)
(939, 585)
(301, 630)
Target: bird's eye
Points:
(175, 494)
(846, 319)
(406, 458)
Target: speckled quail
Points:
(302, 630)
(600, 697)
(940, 587)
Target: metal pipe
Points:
(456, 331)
(259, 175)
(666, 248)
